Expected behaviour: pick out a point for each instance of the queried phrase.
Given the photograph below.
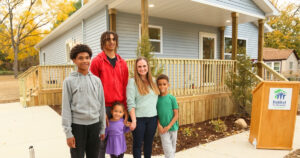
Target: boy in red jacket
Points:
(113, 72)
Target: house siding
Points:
(88, 33)
(94, 26)
(56, 50)
(179, 39)
(244, 5)
(286, 63)
(249, 32)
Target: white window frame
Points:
(273, 64)
(153, 40)
(210, 35)
(239, 38)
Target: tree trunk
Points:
(15, 66)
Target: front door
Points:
(207, 45)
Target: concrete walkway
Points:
(41, 127)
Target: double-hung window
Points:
(241, 46)
(155, 38)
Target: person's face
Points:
(117, 112)
(163, 86)
(82, 61)
(142, 67)
(110, 44)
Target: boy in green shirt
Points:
(167, 110)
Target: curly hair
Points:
(106, 36)
(79, 48)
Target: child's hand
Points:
(160, 129)
(127, 124)
(102, 137)
(71, 142)
(166, 129)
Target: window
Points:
(155, 37)
(277, 67)
(69, 45)
(291, 65)
(44, 58)
(241, 46)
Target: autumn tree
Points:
(286, 34)
(23, 21)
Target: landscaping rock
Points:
(241, 123)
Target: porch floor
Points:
(41, 127)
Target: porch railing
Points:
(39, 78)
(193, 76)
(269, 74)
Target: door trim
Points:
(206, 34)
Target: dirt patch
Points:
(189, 135)
(9, 89)
(294, 154)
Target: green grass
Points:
(6, 72)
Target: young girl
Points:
(116, 143)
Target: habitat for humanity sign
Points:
(280, 98)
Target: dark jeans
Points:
(87, 140)
(144, 132)
(103, 142)
(119, 156)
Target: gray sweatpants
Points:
(168, 141)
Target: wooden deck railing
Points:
(271, 75)
(193, 76)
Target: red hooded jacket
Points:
(114, 79)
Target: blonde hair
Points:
(143, 88)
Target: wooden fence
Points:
(271, 75)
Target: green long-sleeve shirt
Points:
(145, 106)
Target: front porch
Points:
(198, 84)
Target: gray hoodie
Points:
(82, 102)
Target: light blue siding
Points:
(244, 5)
(56, 50)
(180, 39)
(94, 26)
(88, 34)
(249, 32)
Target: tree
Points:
(65, 9)
(23, 22)
(144, 49)
(286, 34)
(241, 84)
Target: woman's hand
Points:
(132, 125)
(71, 142)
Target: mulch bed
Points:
(189, 135)
(295, 154)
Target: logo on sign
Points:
(280, 94)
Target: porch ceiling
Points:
(192, 11)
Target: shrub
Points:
(219, 125)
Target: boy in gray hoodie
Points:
(83, 107)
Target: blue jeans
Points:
(144, 132)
